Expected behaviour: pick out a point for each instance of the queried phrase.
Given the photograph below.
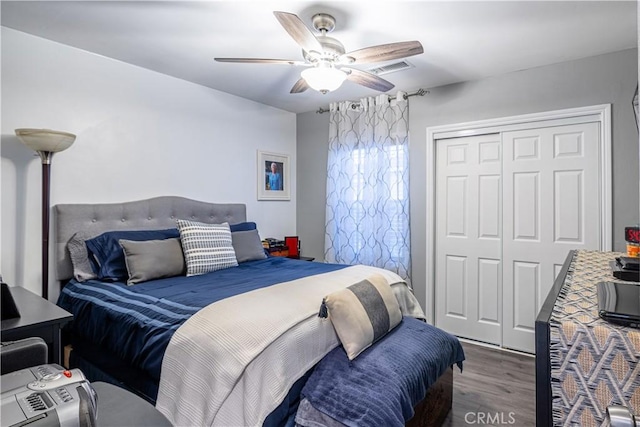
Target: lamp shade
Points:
(324, 79)
(51, 141)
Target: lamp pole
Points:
(45, 142)
(45, 156)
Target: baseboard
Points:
(495, 347)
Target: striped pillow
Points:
(362, 313)
(206, 247)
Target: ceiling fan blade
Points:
(300, 86)
(261, 61)
(369, 80)
(298, 31)
(383, 52)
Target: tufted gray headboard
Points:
(156, 213)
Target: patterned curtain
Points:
(367, 214)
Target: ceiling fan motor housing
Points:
(331, 50)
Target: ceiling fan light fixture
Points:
(324, 78)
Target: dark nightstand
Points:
(38, 318)
(302, 258)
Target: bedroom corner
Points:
(134, 141)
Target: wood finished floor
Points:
(493, 382)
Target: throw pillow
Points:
(247, 245)
(152, 259)
(362, 313)
(243, 226)
(82, 269)
(206, 247)
(108, 253)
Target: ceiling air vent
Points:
(391, 68)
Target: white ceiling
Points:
(462, 40)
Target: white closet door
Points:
(551, 205)
(468, 233)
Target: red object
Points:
(632, 234)
(67, 374)
(292, 243)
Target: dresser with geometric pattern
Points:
(583, 363)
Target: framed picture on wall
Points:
(274, 180)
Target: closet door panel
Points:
(551, 205)
(468, 233)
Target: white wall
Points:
(139, 134)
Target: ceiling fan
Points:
(329, 65)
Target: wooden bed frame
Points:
(161, 212)
(434, 408)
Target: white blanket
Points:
(233, 362)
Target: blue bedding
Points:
(382, 385)
(136, 322)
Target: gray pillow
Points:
(82, 269)
(152, 259)
(247, 245)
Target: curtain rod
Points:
(419, 92)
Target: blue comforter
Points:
(382, 385)
(136, 322)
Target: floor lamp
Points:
(45, 142)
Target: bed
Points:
(222, 348)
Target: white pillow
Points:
(206, 247)
(362, 313)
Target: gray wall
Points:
(603, 79)
(313, 136)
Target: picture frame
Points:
(274, 179)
